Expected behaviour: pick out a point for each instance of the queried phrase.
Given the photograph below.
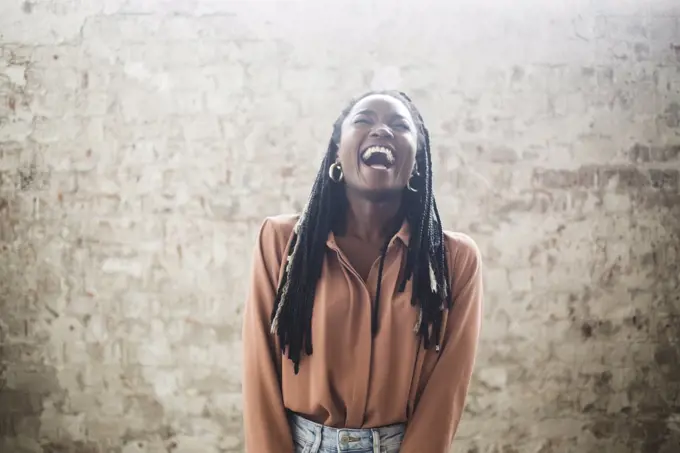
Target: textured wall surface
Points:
(142, 143)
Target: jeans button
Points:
(344, 439)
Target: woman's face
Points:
(377, 148)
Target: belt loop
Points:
(376, 440)
(318, 435)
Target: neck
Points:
(370, 220)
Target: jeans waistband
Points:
(327, 438)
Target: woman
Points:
(362, 322)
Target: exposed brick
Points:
(21, 402)
(644, 154)
(615, 178)
(584, 177)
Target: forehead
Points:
(382, 104)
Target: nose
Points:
(382, 131)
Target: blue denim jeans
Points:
(310, 437)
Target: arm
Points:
(435, 419)
(265, 422)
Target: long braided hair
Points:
(426, 264)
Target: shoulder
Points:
(280, 225)
(463, 252)
(276, 231)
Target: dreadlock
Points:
(426, 263)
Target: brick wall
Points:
(142, 142)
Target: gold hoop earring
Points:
(408, 184)
(336, 167)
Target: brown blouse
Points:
(354, 380)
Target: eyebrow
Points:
(371, 112)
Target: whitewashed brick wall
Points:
(142, 143)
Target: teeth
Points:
(378, 149)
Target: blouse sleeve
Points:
(265, 422)
(435, 419)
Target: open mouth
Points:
(378, 157)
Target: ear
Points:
(333, 149)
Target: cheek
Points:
(345, 153)
(348, 146)
(411, 145)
